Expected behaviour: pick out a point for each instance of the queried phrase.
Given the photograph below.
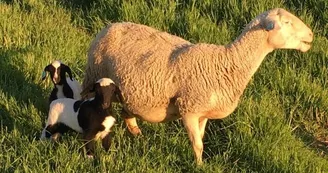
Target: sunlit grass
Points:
(279, 126)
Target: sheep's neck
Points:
(246, 54)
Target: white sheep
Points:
(63, 87)
(92, 117)
(163, 77)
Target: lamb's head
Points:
(57, 72)
(285, 31)
(104, 90)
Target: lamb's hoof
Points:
(55, 136)
(135, 130)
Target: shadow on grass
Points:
(318, 144)
(6, 121)
(236, 159)
(15, 86)
(93, 12)
(215, 129)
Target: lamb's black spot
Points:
(48, 134)
(53, 95)
(76, 105)
(67, 90)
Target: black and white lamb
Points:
(91, 117)
(63, 87)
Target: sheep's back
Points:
(140, 60)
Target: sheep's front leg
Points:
(191, 123)
(131, 123)
(202, 125)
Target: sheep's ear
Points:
(67, 70)
(269, 26)
(44, 73)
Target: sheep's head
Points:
(286, 31)
(57, 71)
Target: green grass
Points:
(280, 124)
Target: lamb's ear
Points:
(93, 87)
(86, 91)
(44, 72)
(67, 70)
(118, 95)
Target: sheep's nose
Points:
(311, 36)
(308, 37)
(311, 33)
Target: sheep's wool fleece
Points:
(152, 67)
(147, 78)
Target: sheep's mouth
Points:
(308, 43)
(305, 46)
(307, 40)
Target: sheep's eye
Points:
(288, 22)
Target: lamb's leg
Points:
(55, 130)
(49, 132)
(106, 141)
(89, 142)
(202, 125)
(131, 123)
(191, 123)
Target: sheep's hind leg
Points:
(131, 123)
(192, 125)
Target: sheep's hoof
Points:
(89, 156)
(135, 130)
(199, 163)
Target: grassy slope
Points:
(280, 125)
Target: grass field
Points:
(281, 124)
